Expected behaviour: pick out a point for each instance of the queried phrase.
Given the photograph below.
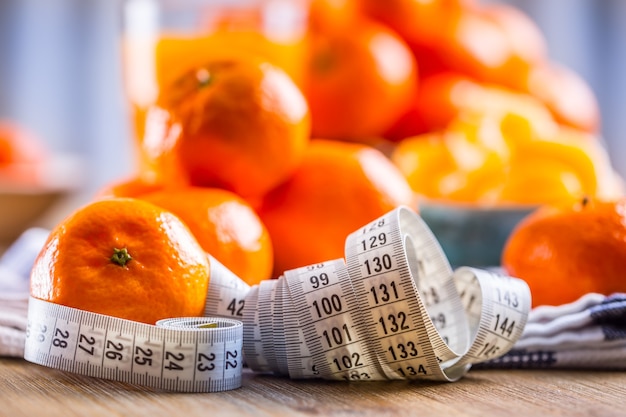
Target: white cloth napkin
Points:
(589, 333)
(15, 266)
(13, 311)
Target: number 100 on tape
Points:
(392, 309)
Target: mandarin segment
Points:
(581, 154)
(476, 141)
(536, 181)
(424, 160)
(125, 258)
(443, 97)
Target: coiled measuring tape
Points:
(393, 309)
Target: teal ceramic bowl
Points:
(472, 235)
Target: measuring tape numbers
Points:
(393, 309)
(188, 354)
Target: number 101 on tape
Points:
(392, 309)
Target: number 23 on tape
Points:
(392, 309)
(183, 354)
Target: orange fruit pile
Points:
(125, 258)
(489, 93)
(360, 78)
(230, 152)
(565, 251)
(270, 168)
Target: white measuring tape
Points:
(188, 354)
(393, 309)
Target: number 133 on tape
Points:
(392, 309)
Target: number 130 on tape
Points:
(391, 309)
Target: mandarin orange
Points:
(238, 124)
(526, 44)
(18, 145)
(565, 251)
(125, 258)
(486, 45)
(225, 225)
(437, 101)
(338, 187)
(360, 78)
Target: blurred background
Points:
(60, 72)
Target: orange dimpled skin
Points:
(124, 258)
(226, 227)
(566, 251)
(233, 123)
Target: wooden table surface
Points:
(31, 390)
(28, 390)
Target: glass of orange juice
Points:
(162, 39)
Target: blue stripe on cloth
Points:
(611, 314)
(614, 332)
(521, 359)
(607, 351)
